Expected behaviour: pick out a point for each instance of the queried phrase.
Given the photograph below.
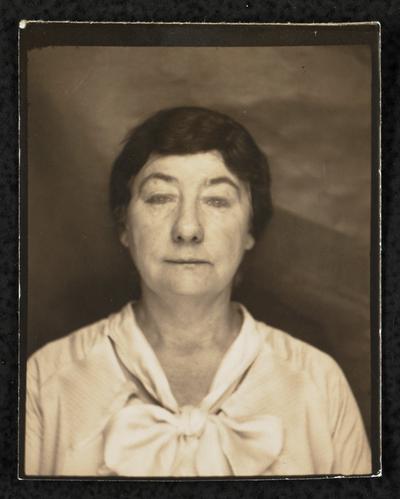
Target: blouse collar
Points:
(139, 358)
(163, 439)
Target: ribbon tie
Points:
(148, 440)
(163, 439)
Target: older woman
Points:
(185, 382)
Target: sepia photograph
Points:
(200, 271)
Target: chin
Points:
(190, 287)
(192, 291)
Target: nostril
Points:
(195, 239)
(191, 233)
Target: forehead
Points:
(192, 167)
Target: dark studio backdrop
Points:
(309, 108)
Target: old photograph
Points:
(199, 251)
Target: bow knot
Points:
(144, 440)
(191, 421)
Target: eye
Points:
(159, 199)
(218, 202)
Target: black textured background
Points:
(388, 13)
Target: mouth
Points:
(187, 261)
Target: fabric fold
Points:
(146, 440)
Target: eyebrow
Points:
(224, 180)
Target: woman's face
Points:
(187, 224)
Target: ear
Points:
(120, 216)
(123, 237)
(249, 241)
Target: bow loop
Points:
(148, 440)
(251, 446)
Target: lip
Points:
(187, 261)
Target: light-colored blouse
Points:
(99, 404)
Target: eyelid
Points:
(222, 190)
(157, 191)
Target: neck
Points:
(182, 322)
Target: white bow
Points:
(148, 440)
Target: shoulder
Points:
(301, 358)
(67, 351)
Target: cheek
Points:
(146, 229)
(231, 233)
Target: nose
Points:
(187, 227)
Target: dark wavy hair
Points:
(191, 130)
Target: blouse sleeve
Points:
(352, 455)
(33, 421)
